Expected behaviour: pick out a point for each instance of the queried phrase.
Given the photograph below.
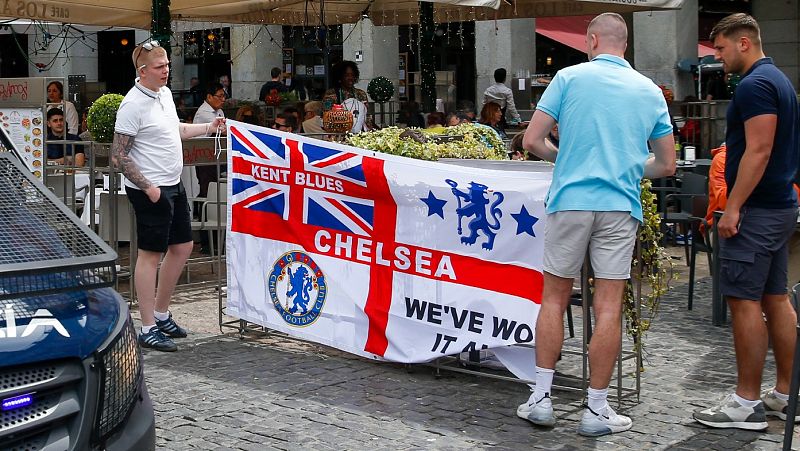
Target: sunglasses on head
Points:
(149, 46)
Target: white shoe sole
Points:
(735, 425)
(550, 422)
(608, 430)
(781, 415)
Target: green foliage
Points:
(380, 89)
(102, 116)
(477, 142)
(652, 268)
(289, 97)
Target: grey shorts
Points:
(608, 235)
(754, 262)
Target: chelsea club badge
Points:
(297, 288)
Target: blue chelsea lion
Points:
(476, 203)
(302, 283)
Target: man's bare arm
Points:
(534, 140)
(759, 132)
(121, 157)
(662, 163)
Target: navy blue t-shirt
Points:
(764, 89)
(56, 151)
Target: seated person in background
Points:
(492, 115)
(285, 122)
(313, 117)
(55, 99)
(518, 152)
(208, 112)
(249, 115)
(435, 122)
(457, 118)
(410, 116)
(62, 153)
(275, 84)
(468, 108)
(296, 114)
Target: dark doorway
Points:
(13, 62)
(210, 52)
(453, 50)
(114, 65)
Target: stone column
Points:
(509, 43)
(378, 47)
(663, 38)
(176, 64)
(780, 34)
(254, 55)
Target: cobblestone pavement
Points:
(219, 392)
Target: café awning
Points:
(571, 31)
(136, 13)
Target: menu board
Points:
(25, 128)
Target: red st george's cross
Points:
(268, 170)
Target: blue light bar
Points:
(17, 402)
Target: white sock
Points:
(544, 382)
(780, 395)
(746, 402)
(161, 316)
(147, 329)
(598, 399)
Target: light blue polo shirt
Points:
(606, 112)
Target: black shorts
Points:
(163, 223)
(754, 262)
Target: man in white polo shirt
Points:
(147, 148)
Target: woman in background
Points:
(55, 99)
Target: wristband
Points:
(207, 127)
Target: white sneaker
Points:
(777, 407)
(595, 424)
(538, 412)
(730, 414)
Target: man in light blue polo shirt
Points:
(606, 113)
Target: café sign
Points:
(22, 92)
(33, 10)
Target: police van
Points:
(71, 373)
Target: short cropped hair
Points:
(500, 75)
(213, 87)
(275, 72)
(315, 106)
(735, 26)
(54, 112)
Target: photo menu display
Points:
(25, 128)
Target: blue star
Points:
(435, 206)
(525, 221)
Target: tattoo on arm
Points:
(121, 156)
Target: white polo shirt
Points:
(151, 118)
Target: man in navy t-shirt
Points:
(759, 218)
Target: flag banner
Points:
(379, 255)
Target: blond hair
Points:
(138, 57)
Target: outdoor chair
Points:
(63, 186)
(692, 185)
(700, 240)
(115, 228)
(213, 215)
(788, 430)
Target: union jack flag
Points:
(274, 174)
